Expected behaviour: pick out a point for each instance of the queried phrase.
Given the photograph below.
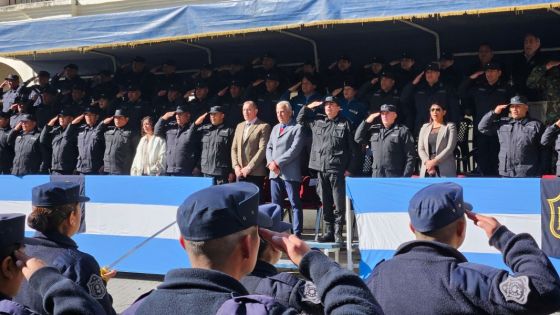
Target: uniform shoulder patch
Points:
(96, 287)
(310, 293)
(515, 289)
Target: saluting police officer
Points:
(120, 144)
(6, 150)
(430, 276)
(391, 143)
(219, 231)
(284, 287)
(333, 154)
(90, 140)
(24, 138)
(216, 138)
(519, 137)
(58, 294)
(61, 142)
(180, 137)
(550, 138)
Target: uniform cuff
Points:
(501, 237)
(43, 279)
(315, 265)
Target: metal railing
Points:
(14, 2)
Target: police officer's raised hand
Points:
(162, 93)
(28, 265)
(374, 81)
(551, 64)
(290, 244)
(295, 87)
(259, 81)
(18, 126)
(500, 108)
(314, 104)
(488, 224)
(371, 117)
(78, 119)
(108, 120)
(557, 123)
(200, 119)
(189, 93)
(223, 91)
(418, 78)
(335, 92)
(53, 121)
(4, 83)
(168, 115)
(476, 75)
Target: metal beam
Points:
(309, 40)
(206, 49)
(427, 30)
(503, 52)
(113, 58)
(556, 11)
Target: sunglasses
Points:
(435, 109)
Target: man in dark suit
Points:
(283, 159)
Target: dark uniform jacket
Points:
(63, 145)
(284, 287)
(419, 98)
(333, 148)
(61, 252)
(120, 147)
(181, 146)
(297, 102)
(28, 154)
(90, 146)
(519, 144)
(354, 111)
(482, 97)
(215, 157)
(202, 291)
(59, 296)
(550, 138)
(198, 107)
(6, 151)
(434, 278)
(266, 102)
(136, 111)
(393, 149)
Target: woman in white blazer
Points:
(150, 153)
(436, 143)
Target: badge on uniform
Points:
(516, 289)
(96, 287)
(310, 293)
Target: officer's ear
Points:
(182, 242)
(412, 229)
(8, 268)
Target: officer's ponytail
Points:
(48, 219)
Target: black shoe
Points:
(326, 238)
(338, 233)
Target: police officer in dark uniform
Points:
(283, 287)
(392, 144)
(181, 142)
(200, 104)
(219, 231)
(353, 109)
(519, 137)
(47, 108)
(430, 276)
(65, 81)
(13, 91)
(480, 98)
(420, 94)
(90, 141)
(58, 294)
(306, 93)
(36, 90)
(77, 100)
(231, 99)
(136, 107)
(265, 97)
(216, 138)
(24, 138)
(169, 101)
(6, 150)
(61, 142)
(56, 217)
(333, 153)
(120, 144)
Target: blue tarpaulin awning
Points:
(225, 18)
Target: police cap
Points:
(518, 100)
(133, 87)
(216, 109)
(331, 99)
(446, 56)
(377, 59)
(182, 109)
(120, 112)
(274, 213)
(12, 227)
(436, 206)
(236, 83)
(201, 84)
(43, 74)
(218, 211)
(388, 75)
(28, 117)
(312, 78)
(56, 194)
(91, 110)
(12, 77)
(493, 65)
(351, 83)
(406, 55)
(432, 66)
(273, 76)
(65, 111)
(388, 108)
(71, 66)
(4, 114)
(139, 59)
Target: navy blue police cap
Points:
(432, 66)
(331, 99)
(43, 73)
(274, 213)
(5, 115)
(92, 110)
(377, 59)
(120, 112)
(12, 227)
(182, 109)
(56, 194)
(436, 206)
(28, 117)
(216, 109)
(388, 75)
(218, 211)
(388, 108)
(518, 100)
(493, 65)
(12, 77)
(65, 111)
(273, 76)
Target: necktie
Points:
(282, 128)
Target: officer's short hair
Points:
(48, 219)
(219, 249)
(444, 234)
(285, 104)
(252, 103)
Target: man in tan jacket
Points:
(248, 151)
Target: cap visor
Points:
(83, 199)
(282, 227)
(467, 206)
(263, 220)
